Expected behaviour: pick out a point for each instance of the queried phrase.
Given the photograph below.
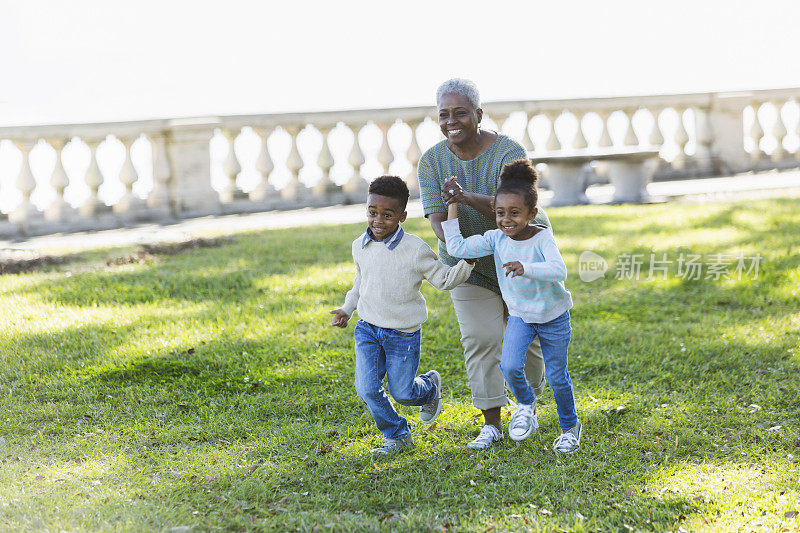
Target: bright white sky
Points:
(91, 60)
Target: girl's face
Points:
(513, 215)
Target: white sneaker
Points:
(523, 422)
(392, 446)
(429, 411)
(569, 441)
(489, 436)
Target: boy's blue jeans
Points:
(387, 352)
(554, 337)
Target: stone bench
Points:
(628, 171)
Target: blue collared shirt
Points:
(391, 242)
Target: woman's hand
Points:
(514, 268)
(452, 192)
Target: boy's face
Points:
(384, 214)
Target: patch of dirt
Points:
(139, 257)
(175, 248)
(19, 261)
(22, 261)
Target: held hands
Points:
(340, 318)
(453, 193)
(514, 268)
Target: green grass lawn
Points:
(205, 390)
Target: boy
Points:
(390, 266)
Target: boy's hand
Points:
(339, 319)
(514, 268)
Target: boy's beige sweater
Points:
(386, 286)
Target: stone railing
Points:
(162, 169)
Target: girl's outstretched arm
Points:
(452, 211)
(471, 247)
(452, 207)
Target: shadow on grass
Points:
(225, 274)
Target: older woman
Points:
(475, 157)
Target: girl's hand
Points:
(339, 319)
(514, 268)
(452, 192)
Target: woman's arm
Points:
(436, 220)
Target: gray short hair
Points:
(465, 88)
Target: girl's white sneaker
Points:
(489, 436)
(523, 422)
(569, 441)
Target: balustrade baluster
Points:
(797, 130)
(499, 120)
(59, 209)
(779, 132)
(356, 186)
(553, 143)
(413, 154)
(294, 190)
(704, 138)
(527, 141)
(158, 198)
(385, 155)
(756, 133)
(25, 211)
(232, 168)
(325, 187)
(605, 136)
(630, 133)
(681, 138)
(656, 136)
(579, 142)
(264, 166)
(128, 177)
(94, 179)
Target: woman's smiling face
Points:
(458, 119)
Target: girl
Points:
(531, 273)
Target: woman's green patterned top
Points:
(480, 175)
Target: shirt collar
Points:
(391, 242)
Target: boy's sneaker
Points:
(429, 411)
(523, 422)
(392, 446)
(569, 441)
(489, 436)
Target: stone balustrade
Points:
(699, 134)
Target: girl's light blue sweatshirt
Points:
(538, 295)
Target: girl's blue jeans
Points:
(554, 337)
(382, 352)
